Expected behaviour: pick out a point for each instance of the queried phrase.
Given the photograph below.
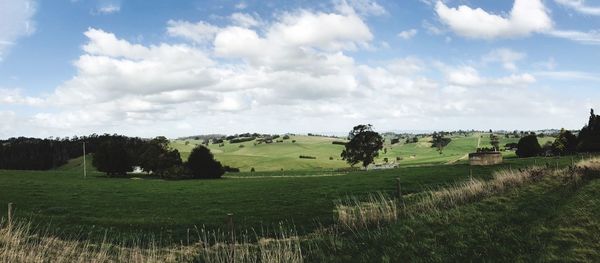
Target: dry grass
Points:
(21, 244)
(475, 189)
(354, 214)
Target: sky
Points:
(177, 68)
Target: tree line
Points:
(43, 154)
(588, 140)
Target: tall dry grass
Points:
(475, 189)
(20, 243)
(376, 210)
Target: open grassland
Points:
(544, 213)
(166, 209)
(274, 156)
(285, 155)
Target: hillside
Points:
(285, 155)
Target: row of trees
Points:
(588, 140)
(116, 157)
(43, 154)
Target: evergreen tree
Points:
(202, 164)
(589, 136)
(528, 146)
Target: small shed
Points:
(485, 158)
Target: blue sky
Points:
(176, 68)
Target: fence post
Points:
(470, 173)
(232, 232)
(398, 189)
(10, 212)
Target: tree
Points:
(112, 158)
(495, 141)
(589, 136)
(202, 164)
(157, 157)
(565, 143)
(528, 146)
(364, 145)
(439, 141)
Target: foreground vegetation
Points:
(535, 214)
(166, 209)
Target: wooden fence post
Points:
(231, 227)
(398, 189)
(10, 215)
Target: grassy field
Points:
(546, 221)
(71, 204)
(530, 215)
(285, 155)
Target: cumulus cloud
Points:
(14, 97)
(200, 32)
(467, 76)
(408, 34)
(526, 17)
(16, 21)
(245, 20)
(292, 72)
(580, 6)
(505, 56)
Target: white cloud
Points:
(200, 32)
(241, 5)
(506, 57)
(293, 72)
(245, 20)
(408, 34)
(16, 21)
(362, 7)
(14, 97)
(591, 37)
(580, 6)
(526, 17)
(468, 76)
(109, 8)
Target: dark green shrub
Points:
(202, 164)
(528, 146)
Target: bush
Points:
(338, 143)
(230, 169)
(307, 157)
(528, 146)
(395, 140)
(252, 170)
(286, 137)
(511, 146)
(241, 139)
(203, 165)
(176, 172)
(293, 141)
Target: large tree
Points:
(112, 158)
(565, 143)
(589, 136)
(528, 146)
(364, 145)
(157, 156)
(202, 164)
